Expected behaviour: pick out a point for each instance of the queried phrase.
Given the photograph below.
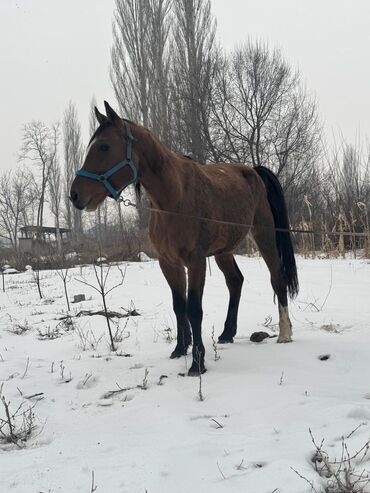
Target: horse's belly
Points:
(175, 244)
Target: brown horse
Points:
(192, 208)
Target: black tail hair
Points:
(284, 243)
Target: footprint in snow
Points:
(105, 402)
(359, 413)
(136, 366)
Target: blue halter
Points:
(104, 179)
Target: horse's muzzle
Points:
(74, 198)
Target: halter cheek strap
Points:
(104, 179)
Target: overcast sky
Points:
(54, 51)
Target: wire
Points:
(128, 203)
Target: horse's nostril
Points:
(74, 196)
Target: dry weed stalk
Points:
(341, 247)
(341, 475)
(17, 327)
(364, 218)
(310, 238)
(214, 345)
(19, 425)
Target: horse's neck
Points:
(162, 174)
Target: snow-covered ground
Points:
(260, 400)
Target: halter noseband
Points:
(104, 179)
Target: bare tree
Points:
(73, 157)
(159, 45)
(194, 63)
(129, 59)
(263, 115)
(40, 145)
(268, 116)
(16, 199)
(55, 194)
(140, 69)
(140, 62)
(347, 186)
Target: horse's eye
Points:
(104, 147)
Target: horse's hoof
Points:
(284, 339)
(195, 371)
(178, 352)
(225, 340)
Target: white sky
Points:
(53, 51)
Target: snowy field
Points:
(260, 400)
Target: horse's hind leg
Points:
(264, 236)
(176, 278)
(234, 281)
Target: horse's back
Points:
(232, 184)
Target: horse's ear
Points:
(111, 114)
(99, 116)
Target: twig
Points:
(329, 291)
(39, 394)
(281, 378)
(88, 376)
(305, 479)
(219, 468)
(144, 384)
(161, 379)
(200, 393)
(214, 345)
(8, 419)
(219, 425)
(26, 369)
(240, 466)
(110, 314)
(93, 486)
(354, 431)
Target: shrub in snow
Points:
(101, 260)
(18, 424)
(143, 257)
(71, 255)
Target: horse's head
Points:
(109, 165)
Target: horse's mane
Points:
(138, 191)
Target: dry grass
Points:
(346, 474)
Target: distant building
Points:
(42, 239)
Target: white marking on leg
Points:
(285, 325)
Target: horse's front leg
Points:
(176, 278)
(196, 278)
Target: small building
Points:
(42, 239)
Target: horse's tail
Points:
(284, 243)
